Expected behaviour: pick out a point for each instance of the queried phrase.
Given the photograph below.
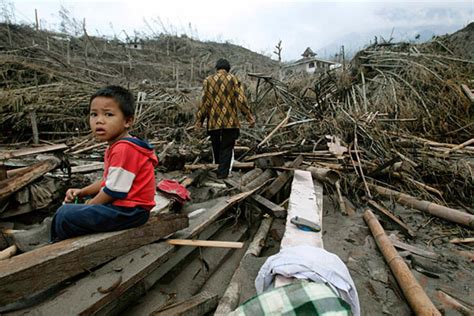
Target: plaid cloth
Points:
(222, 97)
(298, 298)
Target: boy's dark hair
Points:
(223, 64)
(123, 97)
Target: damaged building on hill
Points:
(308, 64)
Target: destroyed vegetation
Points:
(393, 125)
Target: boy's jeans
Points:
(73, 220)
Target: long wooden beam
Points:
(41, 268)
(235, 164)
(205, 243)
(282, 179)
(31, 151)
(389, 214)
(306, 201)
(267, 205)
(26, 176)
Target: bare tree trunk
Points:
(9, 34)
(192, 72)
(36, 21)
(68, 53)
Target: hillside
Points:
(160, 59)
(53, 74)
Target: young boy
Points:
(124, 196)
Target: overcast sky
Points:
(257, 25)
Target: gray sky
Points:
(257, 25)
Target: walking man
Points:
(222, 97)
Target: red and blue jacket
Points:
(129, 173)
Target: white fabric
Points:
(311, 263)
(119, 180)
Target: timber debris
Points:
(391, 131)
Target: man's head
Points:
(223, 64)
(122, 96)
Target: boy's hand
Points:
(71, 194)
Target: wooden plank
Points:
(250, 176)
(468, 92)
(194, 177)
(389, 214)
(199, 304)
(266, 155)
(276, 210)
(306, 201)
(282, 179)
(30, 151)
(15, 211)
(12, 172)
(235, 165)
(28, 175)
(416, 250)
(277, 184)
(462, 240)
(3, 172)
(205, 243)
(138, 270)
(267, 205)
(88, 148)
(270, 162)
(260, 180)
(95, 166)
(57, 262)
(269, 136)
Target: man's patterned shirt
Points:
(222, 97)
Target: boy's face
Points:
(107, 120)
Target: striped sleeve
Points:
(121, 172)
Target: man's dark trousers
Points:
(223, 142)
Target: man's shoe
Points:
(222, 176)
